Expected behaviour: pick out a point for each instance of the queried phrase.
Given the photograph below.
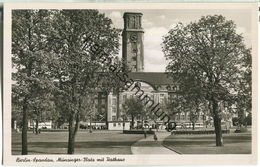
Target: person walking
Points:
(145, 133)
(155, 137)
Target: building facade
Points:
(156, 85)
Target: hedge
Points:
(137, 132)
(196, 132)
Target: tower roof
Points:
(132, 13)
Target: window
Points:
(124, 98)
(152, 96)
(113, 118)
(178, 117)
(161, 100)
(188, 116)
(138, 84)
(145, 100)
(114, 101)
(113, 109)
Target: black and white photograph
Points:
(130, 82)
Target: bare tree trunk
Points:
(25, 105)
(142, 121)
(133, 119)
(242, 118)
(36, 126)
(217, 123)
(76, 125)
(73, 129)
(90, 125)
(123, 124)
(193, 125)
(25, 128)
(71, 140)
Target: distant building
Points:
(157, 85)
(41, 125)
(118, 125)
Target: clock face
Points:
(133, 37)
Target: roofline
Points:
(132, 13)
(117, 121)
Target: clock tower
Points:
(133, 48)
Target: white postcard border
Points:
(226, 159)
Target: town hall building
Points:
(155, 84)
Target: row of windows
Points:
(152, 96)
(119, 124)
(114, 106)
(178, 117)
(113, 118)
(187, 117)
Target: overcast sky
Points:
(156, 23)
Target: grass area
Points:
(98, 142)
(234, 143)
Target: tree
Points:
(42, 109)
(30, 60)
(248, 120)
(193, 118)
(133, 107)
(195, 107)
(172, 106)
(16, 115)
(244, 98)
(206, 58)
(74, 39)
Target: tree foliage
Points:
(133, 107)
(30, 59)
(207, 59)
(78, 67)
(57, 65)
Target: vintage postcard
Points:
(130, 84)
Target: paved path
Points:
(149, 146)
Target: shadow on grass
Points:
(89, 144)
(36, 152)
(233, 144)
(37, 147)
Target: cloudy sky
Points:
(156, 24)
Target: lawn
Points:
(98, 142)
(234, 143)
